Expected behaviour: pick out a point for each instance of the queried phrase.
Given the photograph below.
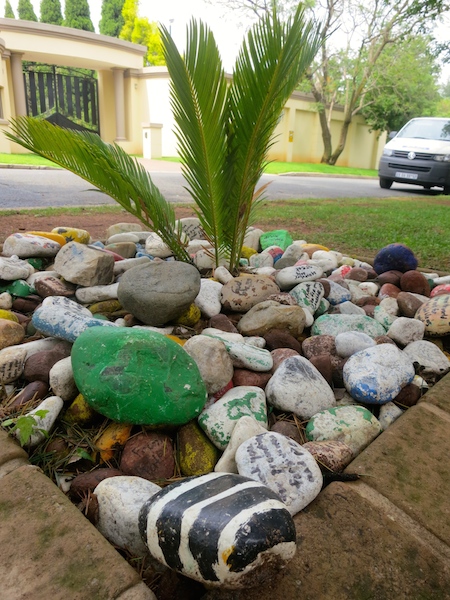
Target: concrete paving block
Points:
(351, 548)
(12, 456)
(439, 394)
(50, 550)
(409, 464)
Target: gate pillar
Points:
(20, 103)
(119, 96)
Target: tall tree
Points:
(112, 20)
(140, 30)
(129, 15)
(51, 12)
(9, 13)
(25, 11)
(77, 15)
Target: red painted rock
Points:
(149, 455)
(416, 282)
(439, 290)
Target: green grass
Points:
(277, 168)
(25, 159)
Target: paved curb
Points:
(384, 537)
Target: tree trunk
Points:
(341, 145)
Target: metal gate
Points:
(62, 95)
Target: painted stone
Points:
(243, 292)
(53, 286)
(12, 361)
(84, 265)
(197, 455)
(26, 245)
(278, 237)
(96, 293)
(222, 529)
(337, 294)
(72, 234)
(261, 260)
(331, 455)
(431, 360)
(219, 419)
(108, 370)
(435, 314)
(247, 356)
(158, 292)
(353, 425)
(212, 359)
(208, 298)
(13, 268)
(349, 342)
(271, 315)
(334, 324)
(348, 308)
(443, 288)
(18, 288)
(395, 257)
(283, 466)
(191, 227)
(389, 413)
(298, 387)
(245, 428)
(376, 375)
(404, 331)
(62, 318)
(289, 277)
(308, 295)
(119, 501)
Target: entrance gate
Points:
(65, 96)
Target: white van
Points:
(419, 154)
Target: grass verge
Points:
(26, 159)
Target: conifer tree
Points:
(9, 13)
(77, 15)
(25, 11)
(112, 20)
(51, 12)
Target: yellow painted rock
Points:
(50, 235)
(7, 314)
(176, 339)
(189, 318)
(105, 307)
(72, 234)
(79, 412)
(311, 248)
(197, 455)
(246, 252)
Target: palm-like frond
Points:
(198, 100)
(267, 70)
(108, 168)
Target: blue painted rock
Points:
(395, 257)
(65, 319)
(137, 376)
(376, 375)
(221, 529)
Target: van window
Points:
(426, 129)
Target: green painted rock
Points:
(278, 237)
(196, 454)
(137, 376)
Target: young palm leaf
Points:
(108, 168)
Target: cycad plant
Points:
(224, 132)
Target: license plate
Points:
(406, 175)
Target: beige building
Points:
(133, 101)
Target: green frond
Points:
(105, 166)
(199, 102)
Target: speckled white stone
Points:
(298, 387)
(208, 298)
(222, 275)
(389, 413)
(96, 293)
(353, 425)
(219, 419)
(348, 308)
(349, 342)
(213, 361)
(262, 260)
(431, 359)
(326, 260)
(404, 331)
(247, 356)
(245, 428)
(61, 380)
(119, 501)
(383, 317)
(13, 268)
(26, 245)
(369, 288)
(155, 246)
(289, 277)
(251, 239)
(376, 375)
(283, 465)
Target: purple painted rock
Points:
(222, 529)
(395, 257)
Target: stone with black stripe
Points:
(221, 529)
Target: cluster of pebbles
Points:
(224, 402)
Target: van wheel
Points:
(385, 183)
(446, 190)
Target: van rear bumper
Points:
(417, 172)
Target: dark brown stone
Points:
(357, 274)
(33, 392)
(52, 286)
(326, 286)
(26, 305)
(149, 455)
(390, 277)
(245, 377)
(338, 367)
(416, 282)
(279, 338)
(408, 304)
(37, 366)
(223, 323)
(367, 300)
(388, 290)
(408, 396)
(86, 482)
(288, 429)
(324, 366)
(281, 354)
(319, 344)
(383, 339)
(369, 309)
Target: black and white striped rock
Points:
(222, 529)
(283, 465)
